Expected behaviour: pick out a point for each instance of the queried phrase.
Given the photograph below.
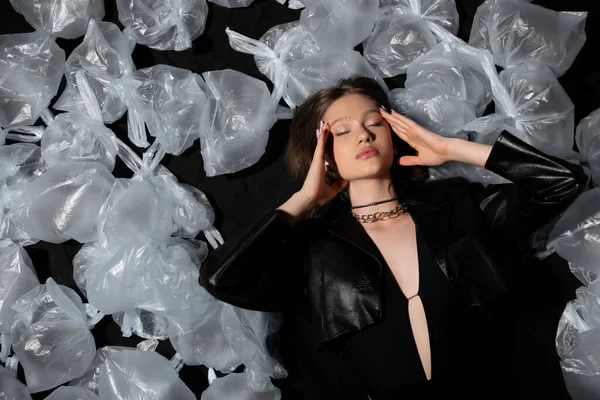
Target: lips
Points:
(367, 152)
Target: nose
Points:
(365, 136)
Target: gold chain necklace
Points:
(382, 215)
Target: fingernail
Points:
(326, 163)
(384, 109)
(318, 133)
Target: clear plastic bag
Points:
(31, 67)
(164, 24)
(12, 388)
(63, 203)
(232, 3)
(552, 38)
(276, 51)
(573, 235)
(104, 56)
(407, 29)
(66, 19)
(587, 138)
(141, 375)
(72, 393)
(200, 340)
(339, 24)
(578, 343)
(235, 124)
(530, 100)
(17, 277)
(247, 332)
(169, 101)
(234, 386)
(472, 173)
(76, 137)
(51, 336)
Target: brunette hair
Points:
(302, 139)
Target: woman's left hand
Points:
(432, 148)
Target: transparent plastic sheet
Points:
(63, 203)
(276, 51)
(17, 277)
(72, 393)
(552, 38)
(163, 24)
(168, 100)
(235, 124)
(51, 336)
(471, 172)
(233, 386)
(200, 340)
(11, 388)
(66, 19)
(31, 67)
(529, 99)
(105, 56)
(339, 24)
(407, 29)
(575, 235)
(232, 3)
(587, 138)
(73, 136)
(144, 324)
(25, 134)
(247, 332)
(578, 343)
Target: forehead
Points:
(348, 106)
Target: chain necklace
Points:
(382, 215)
(375, 203)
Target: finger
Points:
(322, 133)
(392, 120)
(409, 160)
(402, 118)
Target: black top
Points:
(385, 355)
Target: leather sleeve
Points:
(260, 269)
(542, 187)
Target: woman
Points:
(390, 285)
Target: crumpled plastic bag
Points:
(587, 138)
(31, 67)
(445, 88)
(105, 56)
(66, 19)
(12, 388)
(72, 393)
(276, 52)
(292, 4)
(407, 29)
(169, 101)
(247, 332)
(200, 340)
(472, 173)
(233, 386)
(63, 203)
(127, 373)
(232, 3)
(578, 343)
(530, 101)
(122, 274)
(51, 336)
(517, 32)
(164, 24)
(573, 235)
(76, 137)
(17, 277)
(19, 164)
(339, 24)
(235, 124)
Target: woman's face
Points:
(361, 138)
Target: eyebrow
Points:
(347, 118)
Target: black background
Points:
(239, 198)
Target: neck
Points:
(366, 191)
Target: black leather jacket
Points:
(330, 268)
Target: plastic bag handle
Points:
(5, 344)
(64, 302)
(87, 94)
(27, 134)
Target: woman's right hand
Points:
(315, 191)
(315, 188)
